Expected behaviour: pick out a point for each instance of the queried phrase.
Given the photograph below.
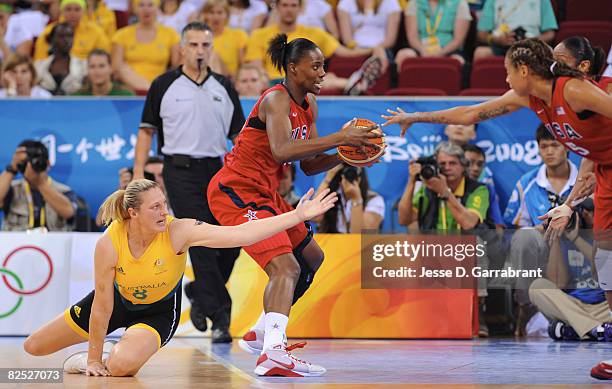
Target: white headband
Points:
(552, 67)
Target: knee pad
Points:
(306, 273)
(603, 264)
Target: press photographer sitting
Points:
(448, 199)
(36, 201)
(569, 294)
(359, 208)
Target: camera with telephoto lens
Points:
(429, 168)
(586, 205)
(38, 158)
(351, 173)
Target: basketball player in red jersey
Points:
(280, 129)
(578, 53)
(575, 110)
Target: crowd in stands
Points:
(385, 47)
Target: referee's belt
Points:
(181, 160)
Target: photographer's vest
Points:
(428, 217)
(20, 215)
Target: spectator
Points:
(99, 80)
(503, 22)
(228, 43)
(176, 13)
(35, 201)
(250, 81)
(535, 193)
(87, 35)
(154, 167)
(460, 134)
(475, 158)
(19, 78)
(24, 24)
(288, 11)
(98, 13)
(285, 186)
(435, 29)
(247, 15)
(144, 50)
(315, 13)
(61, 73)
(569, 295)
(13, 37)
(369, 23)
(358, 207)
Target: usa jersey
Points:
(587, 133)
(252, 157)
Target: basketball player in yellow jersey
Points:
(139, 263)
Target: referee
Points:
(194, 111)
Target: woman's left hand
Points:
(309, 208)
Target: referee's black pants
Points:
(186, 188)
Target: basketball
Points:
(355, 156)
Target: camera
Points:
(519, 33)
(38, 158)
(351, 173)
(429, 168)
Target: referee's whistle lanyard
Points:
(30, 200)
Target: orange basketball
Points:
(355, 156)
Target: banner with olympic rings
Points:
(34, 277)
(44, 274)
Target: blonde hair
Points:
(116, 206)
(210, 4)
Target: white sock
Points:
(276, 325)
(261, 323)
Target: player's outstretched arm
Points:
(197, 233)
(465, 115)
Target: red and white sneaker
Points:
(603, 370)
(277, 361)
(252, 342)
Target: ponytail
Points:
(599, 61)
(112, 209)
(116, 206)
(277, 51)
(282, 52)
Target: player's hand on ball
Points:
(358, 136)
(309, 207)
(400, 117)
(96, 368)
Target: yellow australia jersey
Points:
(152, 277)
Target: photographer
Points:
(448, 199)
(569, 295)
(36, 201)
(359, 208)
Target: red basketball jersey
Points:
(252, 157)
(588, 134)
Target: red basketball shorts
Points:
(234, 199)
(602, 222)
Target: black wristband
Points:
(9, 168)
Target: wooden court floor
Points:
(351, 364)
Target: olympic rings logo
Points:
(16, 280)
